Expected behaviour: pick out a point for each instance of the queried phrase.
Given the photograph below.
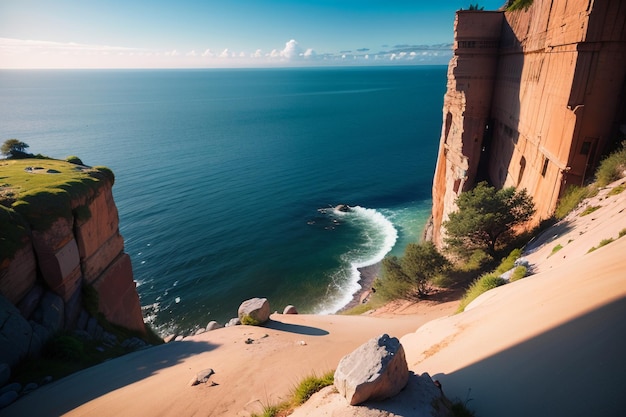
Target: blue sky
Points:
(228, 33)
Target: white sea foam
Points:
(379, 235)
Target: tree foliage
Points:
(486, 217)
(409, 275)
(14, 148)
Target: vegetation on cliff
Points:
(42, 190)
(486, 218)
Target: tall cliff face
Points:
(534, 98)
(55, 241)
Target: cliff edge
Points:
(59, 241)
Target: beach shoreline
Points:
(367, 276)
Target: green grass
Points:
(519, 5)
(617, 190)
(589, 210)
(603, 242)
(621, 233)
(555, 249)
(481, 285)
(518, 273)
(572, 197)
(508, 263)
(41, 190)
(612, 167)
(299, 395)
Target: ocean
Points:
(226, 179)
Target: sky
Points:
(226, 33)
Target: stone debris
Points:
(376, 370)
(202, 377)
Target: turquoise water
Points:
(226, 179)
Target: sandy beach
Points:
(551, 344)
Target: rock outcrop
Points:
(376, 370)
(60, 245)
(534, 98)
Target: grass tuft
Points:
(617, 190)
(572, 197)
(481, 285)
(589, 210)
(555, 249)
(518, 273)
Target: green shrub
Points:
(555, 249)
(622, 233)
(617, 190)
(481, 285)
(250, 321)
(518, 273)
(73, 159)
(612, 167)
(519, 5)
(65, 347)
(476, 260)
(589, 210)
(310, 385)
(572, 197)
(508, 263)
(603, 242)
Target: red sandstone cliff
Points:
(83, 248)
(534, 98)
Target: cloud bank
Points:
(18, 53)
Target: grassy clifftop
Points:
(35, 192)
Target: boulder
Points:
(52, 310)
(233, 322)
(376, 370)
(29, 303)
(15, 334)
(212, 326)
(5, 373)
(290, 310)
(254, 311)
(344, 208)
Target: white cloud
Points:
(309, 53)
(208, 53)
(192, 53)
(291, 51)
(225, 53)
(257, 54)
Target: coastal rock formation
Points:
(58, 246)
(376, 370)
(254, 311)
(534, 99)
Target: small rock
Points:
(200, 331)
(233, 322)
(212, 326)
(14, 386)
(179, 338)
(201, 377)
(290, 310)
(5, 373)
(169, 338)
(30, 387)
(8, 398)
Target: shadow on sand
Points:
(576, 369)
(55, 399)
(295, 328)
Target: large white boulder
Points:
(376, 370)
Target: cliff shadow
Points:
(502, 131)
(64, 395)
(576, 369)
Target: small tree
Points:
(485, 217)
(14, 148)
(409, 276)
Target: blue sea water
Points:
(226, 179)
